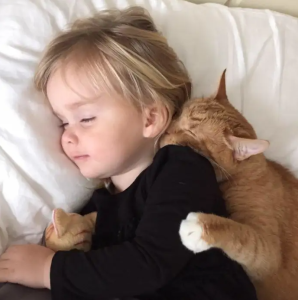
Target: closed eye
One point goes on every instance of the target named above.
(63, 125)
(191, 133)
(87, 120)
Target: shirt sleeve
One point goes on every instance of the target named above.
(156, 254)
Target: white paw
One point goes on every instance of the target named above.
(191, 234)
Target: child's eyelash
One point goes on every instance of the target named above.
(63, 125)
(87, 120)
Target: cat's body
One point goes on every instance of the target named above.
(261, 196)
(264, 197)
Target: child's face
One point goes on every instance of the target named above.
(103, 135)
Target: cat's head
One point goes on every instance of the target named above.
(215, 129)
(69, 231)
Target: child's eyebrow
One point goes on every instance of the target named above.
(81, 103)
(57, 115)
(77, 104)
(84, 100)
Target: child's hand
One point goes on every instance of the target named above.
(27, 265)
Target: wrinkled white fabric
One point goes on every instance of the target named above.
(259, 48)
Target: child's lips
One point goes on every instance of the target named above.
(80, 157)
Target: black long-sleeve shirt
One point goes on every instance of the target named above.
(137, 249)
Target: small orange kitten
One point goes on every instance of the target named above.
(261, 196)
(70, 231)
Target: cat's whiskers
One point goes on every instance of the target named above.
(223, 171)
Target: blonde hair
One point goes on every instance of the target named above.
(120, 51)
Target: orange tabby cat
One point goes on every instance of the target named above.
(261, 197)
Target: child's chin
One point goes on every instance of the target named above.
(91, 174)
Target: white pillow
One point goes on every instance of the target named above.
(259, 48)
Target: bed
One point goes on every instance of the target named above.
(257, 46)
(289, 7)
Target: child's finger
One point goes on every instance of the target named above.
(4, 263)
(5, 256)
(5, 271)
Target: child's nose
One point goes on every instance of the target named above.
(69, 137)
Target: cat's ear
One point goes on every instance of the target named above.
(91, 219)
(244, 148)
(60, 220)
(221, 93)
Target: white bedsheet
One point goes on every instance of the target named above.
(259, 48)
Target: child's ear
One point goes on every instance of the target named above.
(244, 148)
(60, 220)
(155, 120)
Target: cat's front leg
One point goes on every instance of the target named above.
(193, 232)
(256, 250)
(200, 232)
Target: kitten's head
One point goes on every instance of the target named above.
(69, 231)
(215, 129)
